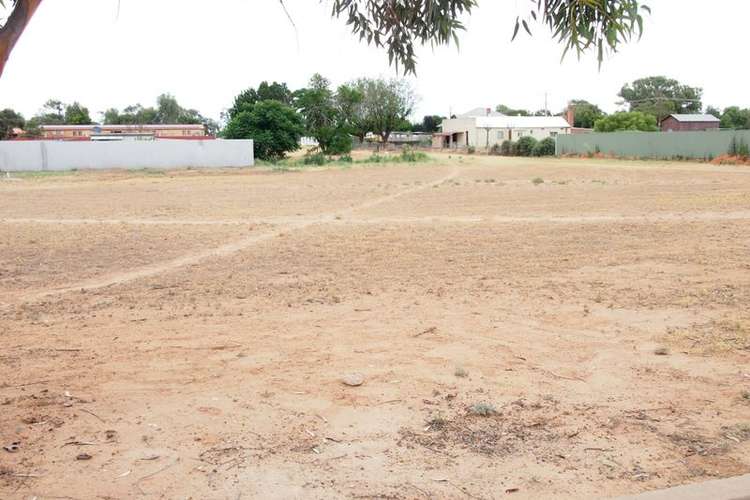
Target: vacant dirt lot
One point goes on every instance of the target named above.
(524, 328)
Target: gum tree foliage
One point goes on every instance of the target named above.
(9, 120)
(324, 119)
(387, 103)
(661, 96)
(430, 124)
(167, 111)
(401, 25)
(274, 127)
(351, 101)
(586, 113)
(76, 114)
(506, 110)
(631, 120)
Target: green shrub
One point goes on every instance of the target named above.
(471, 150)
(495, 150)
(375, 158)
(545, 147)
(507, 148)
(345, 159)
(526, 145)
(411, 156)
(317, 158)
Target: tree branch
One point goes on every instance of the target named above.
(11, 32)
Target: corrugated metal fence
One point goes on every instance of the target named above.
(664, 145)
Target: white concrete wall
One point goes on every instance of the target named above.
(165, 154)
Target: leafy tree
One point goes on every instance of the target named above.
(9, 120)
(387, 104)
(736, 118)
(579, 25)
(274, 127)
(168, 111)
(323, 119)
(430, 124)
(633, 120)
(542, 112)
(266, 92)
(52, 113)
(502, 108)
(75, 114)
(586, 113)
(525, 145)
(350, 99)
(713, 111)
(661, 97)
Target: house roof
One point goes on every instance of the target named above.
(522, 122)
(479, 112)
(694, 118)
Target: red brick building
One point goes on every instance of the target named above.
(682, 123)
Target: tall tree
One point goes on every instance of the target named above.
(350, 99)
(400, 25)
(323, 117)
(713, 111)
(265, 92)
(9, 120)
(586, 113)
(387, 104)
(75, 114)
(429, 124)
(661, 96)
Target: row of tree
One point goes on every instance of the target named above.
(56, 112)
(276, 117)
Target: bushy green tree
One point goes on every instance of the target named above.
(525, 145)
(75, 114)
(508, 148)
(9, 120)
(661, 96)
(430, 124)
(735, 118)
(350, 99)
(324, 117)
(545, 147)
(274, 127)
(713, 111)
(634, 120)
(586, 113)
(265, 92)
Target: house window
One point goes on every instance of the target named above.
(520, 133)
(553, 134)
(500, 135)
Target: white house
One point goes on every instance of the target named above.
(483, 128)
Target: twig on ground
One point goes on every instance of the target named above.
(431, 329)
(93, 415)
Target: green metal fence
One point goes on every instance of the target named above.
(662, 145)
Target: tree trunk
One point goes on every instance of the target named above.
(11, 32)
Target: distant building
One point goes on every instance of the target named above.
(682, 123)
(112, 132)
(484, 128)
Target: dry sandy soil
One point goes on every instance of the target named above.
(185, 335)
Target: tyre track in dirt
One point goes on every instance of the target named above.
(223, 250)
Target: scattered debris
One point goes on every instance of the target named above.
(431, 329)
(83, 456)
(353, 379)
(661, 351)
(461, 373)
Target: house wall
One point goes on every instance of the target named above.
(69, 155)
(670, 124)
(478, 137)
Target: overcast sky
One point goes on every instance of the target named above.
(206, 52)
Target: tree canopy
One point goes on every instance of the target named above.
(735, 117)
(586, 113)
(265, 92)
(9, 120)
(274, 127)
(661, 96)
(632, 120)
(401, 25)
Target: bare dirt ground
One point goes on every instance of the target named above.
(185, 335)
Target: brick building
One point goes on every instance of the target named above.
(87, 132)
